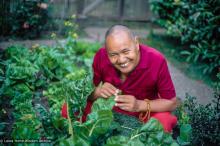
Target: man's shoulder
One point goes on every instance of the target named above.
(101, 57)
(101, 52)
(151, 53)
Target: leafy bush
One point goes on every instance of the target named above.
(34, 84)
(197, 24)
(204, 120)
(27, 19)
(4, 25)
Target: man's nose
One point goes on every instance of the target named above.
(121, 59)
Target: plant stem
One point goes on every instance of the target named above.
(133, 137)
(69, 120)
(127, 128)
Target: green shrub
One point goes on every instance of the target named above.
(197, 24)
(4, 21)
(204, 120)
(34, 84)
(26, 18)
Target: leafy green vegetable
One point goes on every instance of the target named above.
(74, 141)
(151, 133)
(103, 104)
(185, 134)
(97, 123)
(127, 124)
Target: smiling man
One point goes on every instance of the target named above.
(139, 72)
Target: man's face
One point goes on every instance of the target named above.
(123, 52)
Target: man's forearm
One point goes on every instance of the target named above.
(159, 105)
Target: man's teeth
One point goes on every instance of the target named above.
(124, 65)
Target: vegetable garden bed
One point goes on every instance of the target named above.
(36, 82)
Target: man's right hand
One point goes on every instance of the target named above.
(106, 90)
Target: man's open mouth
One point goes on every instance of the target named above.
(123, 65)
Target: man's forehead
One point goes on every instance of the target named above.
(118, 39)
(116, 42)
(119, 34)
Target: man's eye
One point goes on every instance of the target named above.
(126, 52)
(112, 55)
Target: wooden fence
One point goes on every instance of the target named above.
(133, 10)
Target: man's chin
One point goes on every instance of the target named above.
(125, 71)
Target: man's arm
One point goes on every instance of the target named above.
(158, 105)
(130, 103)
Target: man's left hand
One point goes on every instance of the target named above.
(127, 103)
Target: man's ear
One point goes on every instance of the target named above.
(136, 39)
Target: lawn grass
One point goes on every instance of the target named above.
(171, 48)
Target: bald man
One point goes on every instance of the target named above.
(139, 72)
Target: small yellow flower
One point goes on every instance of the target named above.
(42, 5)
(74, 35)
(53, 35)
(4, 111)
(176, 1)
(68, 23)
(35, 46)
(27, 116)
(73, 16)
(65, 23)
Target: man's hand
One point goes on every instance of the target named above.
(106, 90)
(128, 103)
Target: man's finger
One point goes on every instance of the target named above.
(104, 95)
(109, 85)
(122, 98)
(123, 106)
(108, 93)
(111, 91)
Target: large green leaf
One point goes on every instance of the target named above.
(99, 122)
(74, 141)
(117, 141)
(152, 133)
(185, 134)
(103, 104)
(152, 125)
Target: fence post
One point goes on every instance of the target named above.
(5, 12)
(121, 9)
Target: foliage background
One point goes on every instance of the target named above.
(196, 23)
(24, 18)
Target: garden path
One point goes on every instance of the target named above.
(183, 84)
